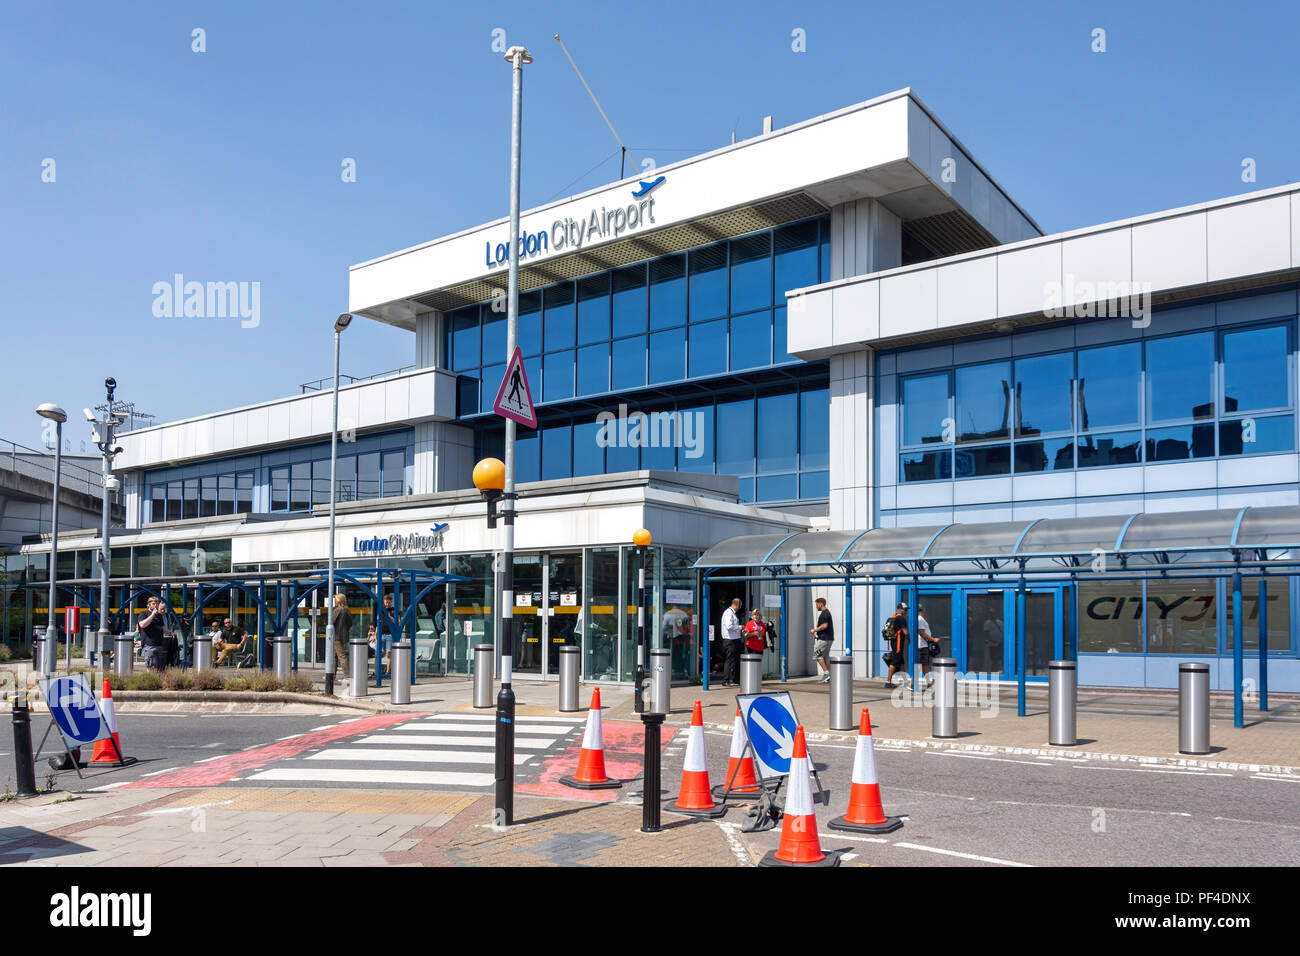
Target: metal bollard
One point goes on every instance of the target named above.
(483, 675)
(661, 671)
(751, 673)
(943, 721)
(1062, 704)
(123, 654)
(842, 693)
(282, 645)
(400, 656)
(650, 800)
(357, 667)
(88, 644)
(1193, 708)
(570, 663)
(202, 652)
(24, 761)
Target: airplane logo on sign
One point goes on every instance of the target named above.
(514, 399)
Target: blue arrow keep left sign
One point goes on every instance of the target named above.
(770, 722)
(74, 709)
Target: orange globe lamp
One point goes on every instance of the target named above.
(641, 538)
(490, 474)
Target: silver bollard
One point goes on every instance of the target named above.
(661, 670)
(89, 647)
(202, 646)
(282, 646)
(483, 675)
(357, 685)
(751, 673)
(400, 657)
(123, 654)
(1062, 704)
(842, 693)
(570, 664)
(943, 721)
(1193, 708)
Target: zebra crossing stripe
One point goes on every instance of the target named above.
(431, 740)
(524, 719)
(378, 755)
(446, 778)
(485, 730)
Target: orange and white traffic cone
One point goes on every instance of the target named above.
(590, 774)
(799, 843)
(865, 814)
(740, 766)
(695, 796)
(107, 751)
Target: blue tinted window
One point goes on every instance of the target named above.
(1255, 369)
(627, 365)
(925, 410)
(668, 356)
(745, 490)
(593, 309)
(1257, 436)
(1109, 379)
(779, 338)
(620, 455)
(1055, 454)
(981, 461)
(467, 394)
(494, 336)
(464, 339)
(735, 443)
(593, 369)
(826, 252)
(629, 303)
(708, 342)
(1044, 394)
(667, 292)
(814, 430)
(778, 433)
(708, 292)
(1180, 442)
(795, 258)
(558, 320)
(492, 376)
(658, 448)
(530, 322)
(695, 449)
(533, 374)
(751, 273)
(777, 488)
(557, 447)
(558, 372)
(751, 336)
(925, 466)
(1118, 448)
(815, 484)
(528, 449)
(983, 401)
(588, 453)
(1180, 377)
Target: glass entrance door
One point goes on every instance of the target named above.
(563, 606)
(529, 614)
(989, 634)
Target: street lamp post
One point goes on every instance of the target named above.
(644, 696)
(58, 416)
(341, 323)
(103, 433)
(642, 541)
(490, 479)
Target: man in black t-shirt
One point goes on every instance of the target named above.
(154, 634)
(823, 639)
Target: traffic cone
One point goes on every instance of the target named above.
(105, 751)
(740, 767)
(590, 774)
(696, 797)
(865, 814)
(799, 843)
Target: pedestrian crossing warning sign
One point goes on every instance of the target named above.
(514, 400)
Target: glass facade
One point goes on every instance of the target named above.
(1214, 393)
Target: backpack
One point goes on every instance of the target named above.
(889, 630)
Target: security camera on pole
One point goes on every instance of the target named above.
(102, 430)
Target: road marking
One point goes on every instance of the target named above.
(186, 809)
(412, 756)
(964, 856)
(1075, 806)
(1259, 823)
(423, 777)
(952, 753)
(520, 730)
(441, 740)
(738, 848)
(849, 856)
(840, 836)
(526, 718)
(1194, 773)
(1276, 776)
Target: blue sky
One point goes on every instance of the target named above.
(225, 165)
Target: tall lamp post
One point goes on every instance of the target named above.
(103, 434)
(490, 479)
(642, 541)
(341, 323)
(58, 416)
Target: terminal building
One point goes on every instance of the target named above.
(837, 360)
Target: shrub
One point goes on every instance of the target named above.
(116, 681)
(20, 653)
(235, 684)
(176, 679)
(78, 650)
(148, 680)
(208, 680)
(5, 653)
(299, 683)
(265, 682)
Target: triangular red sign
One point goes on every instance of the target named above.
(514, 399)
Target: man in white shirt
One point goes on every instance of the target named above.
(731, 637)
(926, 645)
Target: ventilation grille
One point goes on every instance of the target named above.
(951, 233)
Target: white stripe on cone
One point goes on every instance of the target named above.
(864, 761)
(592, 739)
(799, 796)
(695, 762)
(110, 715)
(738, 739)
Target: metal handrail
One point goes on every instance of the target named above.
(321, 384)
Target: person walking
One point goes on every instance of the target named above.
(731, 641)
(895, 634)
(823, 639)
(341, 621)
(386, 622)
(927, 645)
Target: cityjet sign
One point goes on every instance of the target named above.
(570, 234)
(413, 543)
